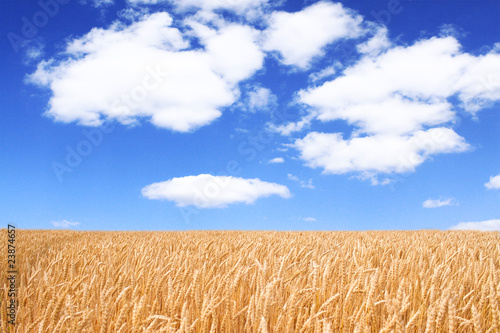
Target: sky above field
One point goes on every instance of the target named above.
(250, 114)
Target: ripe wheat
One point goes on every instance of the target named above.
(230, 281)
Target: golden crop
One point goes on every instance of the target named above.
(232, 281)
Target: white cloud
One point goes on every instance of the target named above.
(102, 3)
(207, 191)
(133, 14)
(494, 183)
(375, 181)
(233, 52)
(307, 184)
(398, 102)
(429, 203)
(373, 178)
(377, 44)
(292, 127)
(452, 30)
(238, 6)
(490, 225)
(277, 160)
(324, 73)
(377, 153)
(147, 70)
(64, 224)
(259, 99)
(35, 52)
(302, 183)
(301, 36)
(308, 219)
(241, 130)
(145, 2)
(406, 88)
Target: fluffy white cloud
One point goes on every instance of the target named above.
(207, 191)
(64, 224)
(406, 88)
(429, 203)
(494, 183)
(301, 36)
(490, 225)
(148, 70)
(377, 153)
(398, 102)
(276, 160)
(308, 219)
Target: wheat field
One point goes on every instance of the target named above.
(234, 281)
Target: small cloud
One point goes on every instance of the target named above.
(490, 225)
(98, 3)
(494, 183)
(261, 98)
(452, 30)
(308, 219)
(207, 191)
(309, 184)
(429, 203)
(302, 183)
(383, 182)
(292, 127)
(374, 179)
(249, 8)
(144, 2)
(133, 14)
(242, 130)
(65, 224)
(257, 99)
(103, 3)
(276, 160)
(324, 73)
(35, 52)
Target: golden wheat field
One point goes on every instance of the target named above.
(232, 281)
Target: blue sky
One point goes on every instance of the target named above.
(254, 114)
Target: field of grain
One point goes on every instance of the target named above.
(229, 281)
